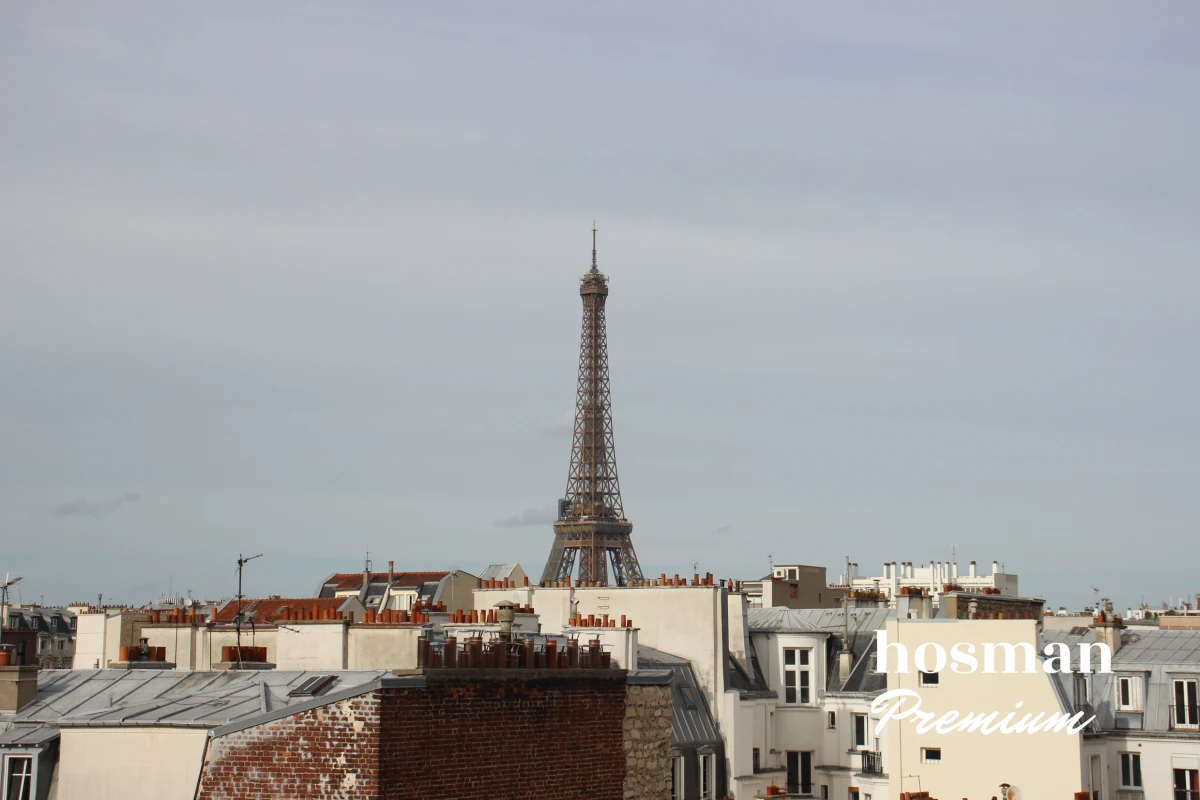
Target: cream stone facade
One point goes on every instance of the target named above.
(971, 764)
(113, 763)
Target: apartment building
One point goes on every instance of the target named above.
(40, 635)
(400, 591)
(934, 577)
(1145, 743)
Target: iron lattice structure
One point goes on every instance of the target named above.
(591, 522)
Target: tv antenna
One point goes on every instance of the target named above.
(237, 620)
(4, 587)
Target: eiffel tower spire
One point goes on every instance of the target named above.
(591, 521)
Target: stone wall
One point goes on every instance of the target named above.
(647, 730)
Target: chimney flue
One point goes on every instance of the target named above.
(18, 686)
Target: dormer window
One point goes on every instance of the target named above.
(797, 676)
(1129, 693)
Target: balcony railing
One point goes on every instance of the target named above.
(872, 762)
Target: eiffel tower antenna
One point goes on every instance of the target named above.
(591, 523)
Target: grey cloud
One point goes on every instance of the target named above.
(85, 508)
(531, 516)
(917, 277)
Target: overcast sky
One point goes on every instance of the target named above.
(302, 279)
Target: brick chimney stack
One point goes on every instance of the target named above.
(18, 687)
(1107, 627)
(391, 572)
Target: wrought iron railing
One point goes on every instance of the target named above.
(872, 762)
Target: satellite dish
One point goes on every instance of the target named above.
(1012, 793)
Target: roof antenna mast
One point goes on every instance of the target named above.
(237, 620)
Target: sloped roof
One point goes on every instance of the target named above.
(814, 620)
(174, 698)
(498, 571)
(692, 722)
(861, 678)
(343, 581)
(273, 608)
(1157, 656)
(39, 618)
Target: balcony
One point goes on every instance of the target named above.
(872, 762)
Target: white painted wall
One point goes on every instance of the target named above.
(380, 647)
(89, 641)
(312, 646)
(682, 620)
(322, 644)
(1160, 757)
(130, 763)
(973, 765)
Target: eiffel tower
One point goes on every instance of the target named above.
(591, 521)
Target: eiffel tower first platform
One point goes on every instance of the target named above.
(591, 521)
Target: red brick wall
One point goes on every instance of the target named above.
(468, 734)
(482, 737)
(329, 752)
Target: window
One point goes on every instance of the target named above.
(755, 758)
(931, 755)
(54, 624)
(1129, 693)
(797, 675)
(706, 777)
(1131, 770)
(61, 646)
(1183, 710)
(18, 780)
(860, 730)
(677, 778)
(313, 686)
(824, 792)
(1080, 691)
(685, 694)
(72, 624)
(832, 723)
(799, 772)
(1187, 784)
(929, 679)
